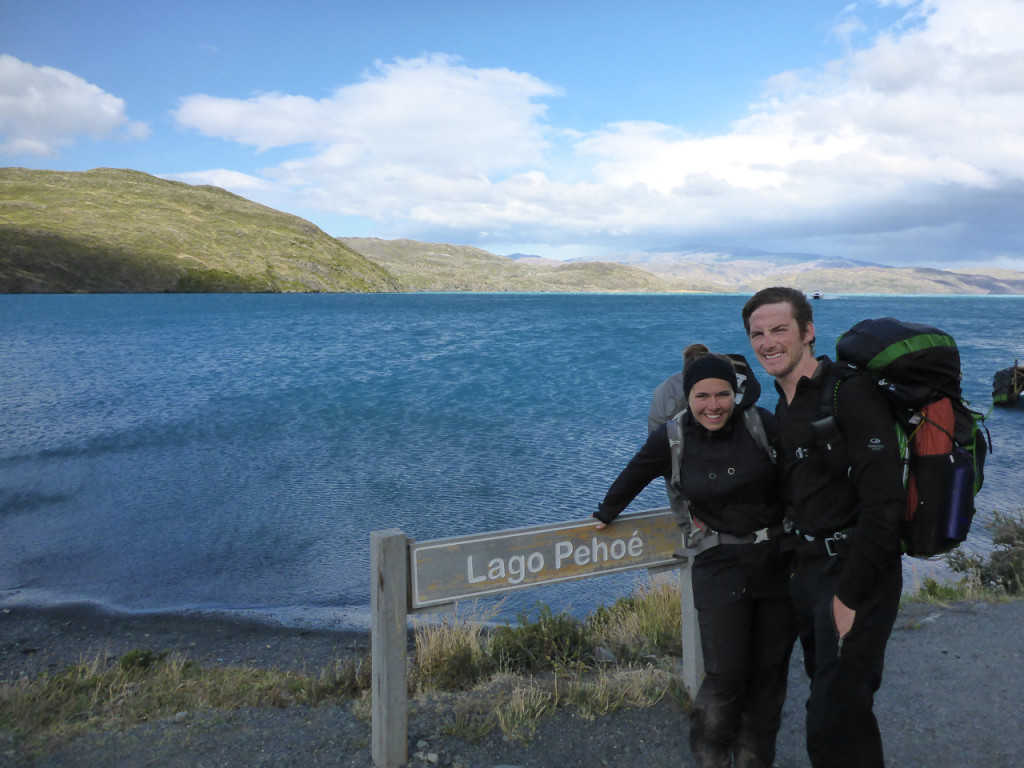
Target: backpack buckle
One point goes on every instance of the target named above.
(832, 541)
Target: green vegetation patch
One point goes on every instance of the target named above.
(109, 230)
(1002, 572)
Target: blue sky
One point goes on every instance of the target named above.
(890, 131)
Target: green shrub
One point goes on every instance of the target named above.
(460, 671)
(1003, 570)
(551, 641)
(940, 591)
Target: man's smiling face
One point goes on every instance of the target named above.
(777, 341)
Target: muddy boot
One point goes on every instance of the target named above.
(706, 751)
(745, 757)
(711, 755)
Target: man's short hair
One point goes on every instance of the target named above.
(802, 312)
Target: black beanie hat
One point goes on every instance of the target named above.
(708, 367)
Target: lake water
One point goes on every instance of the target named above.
(233, 452)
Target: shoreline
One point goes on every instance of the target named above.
(37, 639)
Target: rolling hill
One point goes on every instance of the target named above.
(439, 267)
(113, 231)
(109, 230)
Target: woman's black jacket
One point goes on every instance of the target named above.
(733, 487)
(731, 483)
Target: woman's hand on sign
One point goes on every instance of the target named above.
(600, 525)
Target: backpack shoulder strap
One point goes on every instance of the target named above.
(838, 372)
(755, 426)
(674, 426)
(827, 436)
(751, 419)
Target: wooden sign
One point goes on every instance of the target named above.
(447, 570)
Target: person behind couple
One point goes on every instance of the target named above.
(740, 589)
(847, 571)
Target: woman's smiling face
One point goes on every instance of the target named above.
(711, 402)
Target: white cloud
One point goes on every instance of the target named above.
(242, 183)
(919, 132)
(43, 109)
(429, 114)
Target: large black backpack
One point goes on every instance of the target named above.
(917, 368)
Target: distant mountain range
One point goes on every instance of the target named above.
(719, 268)
(715, 254)
(110, 230)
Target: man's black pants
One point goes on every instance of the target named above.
(842, 730)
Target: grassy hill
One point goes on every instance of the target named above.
(439, 267)
(110, 230)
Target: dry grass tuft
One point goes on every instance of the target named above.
(642, 625)
(454, 653)
(143, 686)
(607, 692)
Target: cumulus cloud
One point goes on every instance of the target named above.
(241, 183)
(913, 137)
(43, 109)
(430, 114)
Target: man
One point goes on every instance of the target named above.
(848, 575)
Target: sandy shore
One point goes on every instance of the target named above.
(953, 695)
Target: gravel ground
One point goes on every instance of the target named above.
(953, 695)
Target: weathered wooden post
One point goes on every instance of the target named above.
(389, 569)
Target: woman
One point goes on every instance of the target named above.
(740, 588)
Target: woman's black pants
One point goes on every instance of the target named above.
(738, 709)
